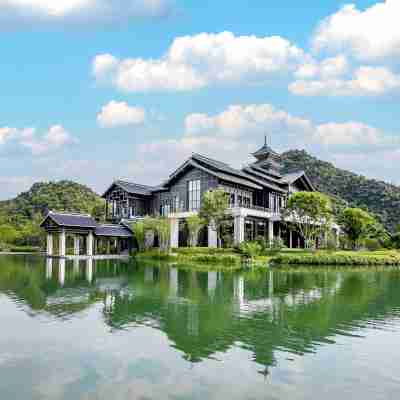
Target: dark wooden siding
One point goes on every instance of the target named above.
(179, 188)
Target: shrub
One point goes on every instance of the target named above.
(372, 244)
(215, 259)
(277, 244)
(263, 243)
(251, 249)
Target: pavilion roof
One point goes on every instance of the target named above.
(113, 230)
(73, 220)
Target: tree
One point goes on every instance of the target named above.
(213, 210)
(357, 224)
(310, 213)
(8, 234)
(139, 234)
(163, 228)
(194, 224)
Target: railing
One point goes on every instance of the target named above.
(257, 208)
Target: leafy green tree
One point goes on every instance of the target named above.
(310, 213)
(213, 210)
(139, 234)
(357, 224)
(8, 234)
(194, 224)
(163, 229)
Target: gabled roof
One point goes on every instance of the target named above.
(112, 230)
(218, 169)
(74, 220)
(71, 219)
(132, 188)
(268, 181)
(296, 175)
(227, 177)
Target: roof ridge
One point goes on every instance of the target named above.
(212, 159)
(73, 213)
(134, 183)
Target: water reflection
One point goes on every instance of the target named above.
(206, 313)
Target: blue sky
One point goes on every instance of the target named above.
(93, 90)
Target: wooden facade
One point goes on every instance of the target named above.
(257, 194)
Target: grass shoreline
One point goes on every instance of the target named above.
(288, 257)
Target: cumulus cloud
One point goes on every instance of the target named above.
(55, 138)
(328, 68)
(116, 114)
(366, 81)
(194, 62)
(234, 133)
(79, 11)
(369, 35)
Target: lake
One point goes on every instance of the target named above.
(123, 330)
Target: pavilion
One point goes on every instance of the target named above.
(90, 238)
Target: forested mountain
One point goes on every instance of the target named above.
(380, 198)
(60, 196)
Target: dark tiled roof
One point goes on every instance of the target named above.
(112, 230)
(268, 181)
(132, 188)
(293, 176)
(228, 177)
(72, 219)
(263, 150)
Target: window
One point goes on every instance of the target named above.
(194, 195)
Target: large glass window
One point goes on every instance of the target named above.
(194, 195)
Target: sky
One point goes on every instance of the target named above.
(98, 90)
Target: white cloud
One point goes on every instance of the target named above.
(367, 81)
(244, 120)
(233, 134)
(79, 11)
(350, 133)
(193, 62)
(55, 138)
(120, 114)
(370, 34)
(328, 68)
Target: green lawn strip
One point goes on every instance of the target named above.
(345, 258)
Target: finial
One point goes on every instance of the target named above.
(265, 140)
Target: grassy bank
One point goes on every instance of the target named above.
(339, 258)
(199, 256)
(7, 248)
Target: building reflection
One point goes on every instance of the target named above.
(204, 313)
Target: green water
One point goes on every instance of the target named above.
(115, 330)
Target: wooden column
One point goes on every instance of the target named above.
(62, 240)
(89, 244)
(238, 229)
(49, 247)
(270, 232)
(174, 239)
(108, 246)
(212, 237)
(76, 245)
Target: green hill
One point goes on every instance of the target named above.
(380, 198)
(61, 196)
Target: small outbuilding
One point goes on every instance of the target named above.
(89, 238)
